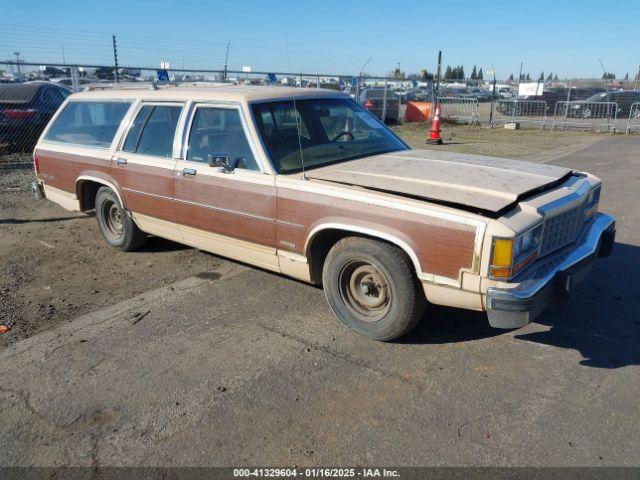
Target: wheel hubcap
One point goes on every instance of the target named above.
(114, 218)
(365, 290)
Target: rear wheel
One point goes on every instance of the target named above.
(115, 223)
(372, 289)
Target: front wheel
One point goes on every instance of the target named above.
(372, 289)
(115, 223)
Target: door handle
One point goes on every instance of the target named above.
(189, 171)
(121, 161)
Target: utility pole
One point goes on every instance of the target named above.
(226, 63)
(360, 77)
(17, 54)
(493, 95)
(520, 76)
(438, 73)
(115, 58)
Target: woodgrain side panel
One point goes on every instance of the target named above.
(147, 189)
(61, 170)
(226, 206)
(442, 247)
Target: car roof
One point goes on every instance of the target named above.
(20, 92)
(226, 92)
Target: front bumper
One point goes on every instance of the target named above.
(551, 279)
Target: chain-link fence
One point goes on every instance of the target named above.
(25, 109)
(33, 92)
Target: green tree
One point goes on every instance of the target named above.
(53, 72)
(104, 73)
(550, 76)
(480, 75)
(528, 77)
(398, 74)
(555, 77)
(511, 77)
(541, 77)
(425, 76)
(608, 76)
(474, 73)
(447, 73)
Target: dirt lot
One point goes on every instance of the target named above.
(527, 143)
(54, 264)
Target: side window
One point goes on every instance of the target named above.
(92, 124)
(153, 131)
(219, 131)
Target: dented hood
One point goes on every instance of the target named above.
(485, 184)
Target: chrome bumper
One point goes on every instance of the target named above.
(551, 280)
(37, 190)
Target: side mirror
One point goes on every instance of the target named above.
(223, 161)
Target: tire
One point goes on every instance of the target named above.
(115, 223)
(372, 288)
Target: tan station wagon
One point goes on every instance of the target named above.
(309, 184)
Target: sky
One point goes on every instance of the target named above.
(569, 38)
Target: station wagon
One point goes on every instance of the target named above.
(309, 184)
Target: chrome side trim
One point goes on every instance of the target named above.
(227, 210)
(289, 224)
(147, 193)
(210, 207)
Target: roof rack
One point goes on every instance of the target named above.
(152, 85)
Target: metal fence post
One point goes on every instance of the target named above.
(384, 101)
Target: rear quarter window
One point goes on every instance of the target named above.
(91, 124)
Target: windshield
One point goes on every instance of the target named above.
(331, 130)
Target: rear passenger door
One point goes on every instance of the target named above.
(144, 163)
(232, 214)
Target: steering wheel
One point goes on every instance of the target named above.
(342, 134)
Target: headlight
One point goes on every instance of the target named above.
(510, 255)
(593, 200)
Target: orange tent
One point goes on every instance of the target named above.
(418, 111)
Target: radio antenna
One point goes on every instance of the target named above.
(295, 108)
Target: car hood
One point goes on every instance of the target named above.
(489, 185)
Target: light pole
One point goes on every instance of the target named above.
(17, 54)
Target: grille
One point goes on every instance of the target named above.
(561, 229)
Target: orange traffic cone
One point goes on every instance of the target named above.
(434, 134)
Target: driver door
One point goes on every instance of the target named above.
(229, 213)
